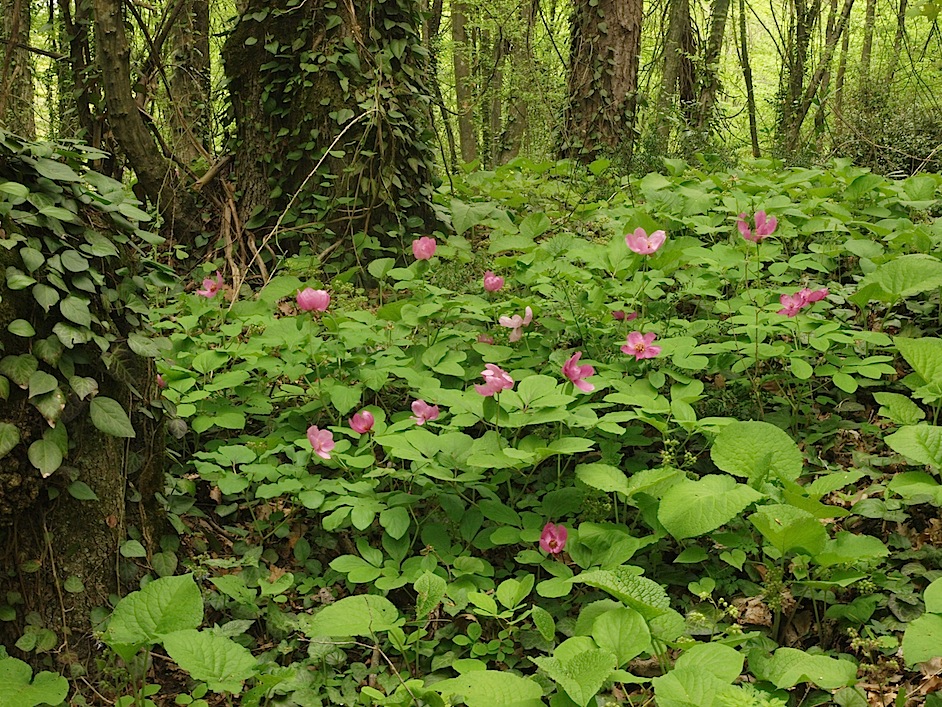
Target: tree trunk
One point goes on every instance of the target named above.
(518, 113)
(841, 73)
(16, 74)
(190, 82)
(747, 77)
(677, 52)
(805, 15)
(898, 40)
(603, 79)
(866, 49)
(79, 84)
(432, 38)
(495, 93)
(709, 74)
(459, 35)
(330, 106)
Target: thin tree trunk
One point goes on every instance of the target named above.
(495, 92)
(805, 16)
(603, 79)
(675, 49)
(841, 73)
(190, 82)
(747, 77)
(710, 75)
(820, 114)
(898, 40)
(16, 74)
(866, 49)
(518, 113)
(432, 32)
(466, 133)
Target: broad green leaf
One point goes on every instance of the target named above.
(850, 548)
(19, 369)
(933, 597)
(360, 615)
(790, 666)
(15, 189)
(9, 437)
(923, 639)
(75, 309)
(233, 585)
(603, 477)
(429, 589)
(109, 417)
(921, 443)
(56, 171)
(622, 632)
(787, 528)
(924, 355)
(165, 605)
(32, 259)
(694, 508)
(899, 408)
(582, 676)
(83, 386)
(81, 491)
(21, 327)
(216, 660)
(904, 276)
(534, 225)
(490, 688)
(646, 597)
(44, 454)
(73, 261)
(41, 382)
(18, 687)
(18, 280)
(721, 661)
(543, 620)
(758, 451)
(688, 687)
(916, 487)
(50, 405)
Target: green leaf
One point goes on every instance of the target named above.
(694, 508)
(81, 491)
(76, 310)
(396, 521)
(212, 658)
(73, 261)
(623, 632)
(19, 369)
(923, 639)
(921, 443)
(429, 589)
(916, 487)
(543, 620)
(44, 454)
(50, 405)
(924, 355)
(18, 687)
(646, 597)
(899, 408)
(9, 438)
(344, 397)
(41, 382)
(688, 687)
(901, 277)
(490, 688)
(719, 660)
(582, 676)
(18, 191)
(757, 451)
(45, 296)
(56, 171)
(165, 605)
(109, 417)
(933, 597)
(790, 666)
(133, 548)
(788, 528)
(849, 549)
(361, 615)
(17, 280)
(603, 477)
(74, 585)
(21, 327)
(83, 386)
(535, 225)
(32, 258)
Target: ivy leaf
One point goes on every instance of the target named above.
(21, 327)
(50, 405)
(32, 258)
(19, 369)
(81, 491)
(45, 296)
(9, 437)
(83, 386)
(18, 280)
(76, 310)
(41, 382)
(73, 261)
(44, 454)
(109, 417)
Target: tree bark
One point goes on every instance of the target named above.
(603, 79)
(678, 46)
(709, 74)
(466, 133)
(747, 77)
(805, 15)
(865, 50)
(16, 74)
(190, 82)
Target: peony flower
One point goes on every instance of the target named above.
(161, 383)
(516, 322)
(321, 440)
(553, 538)
(485, 339)
(310, 300)
(424, 248)
(643, 244)
(791, 304)
(812, 296)
(621, 316)
(362, 422)
(210, 286)
(764, 226)
(492, 282)
(639, 345)
(577, 374)
(423, 412)
(495, 380)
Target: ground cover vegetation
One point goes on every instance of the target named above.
(401, 353)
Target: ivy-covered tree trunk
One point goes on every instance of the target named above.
(70, 493)
(332, 113)
(603, 79)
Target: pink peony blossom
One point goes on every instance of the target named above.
(161, 383)
(492, 282)
(310, 300)
(485, 339)
(643, 244)
(362, 422)
(210, 286)
(639, 345)
(423, 412)
(764, 226)
(424, 248)
(495, 380)
(516, 323)
(792, 304)
(321, 440)
(553, 538)
(621, 316)
(577, 374)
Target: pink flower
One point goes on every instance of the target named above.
(485, 339)
(577, 374)
(516, 322)
(492, 282)
(423, 412)
(161, 383)
(495, 380)
(792, 304)
(812, 296)
(640, 242)
(362, 422)
(210, 286)
(553, 538)
(310, 300)
(764, 226)
(424, 248)
(621, 316)
(321, 440)
(639, 345)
